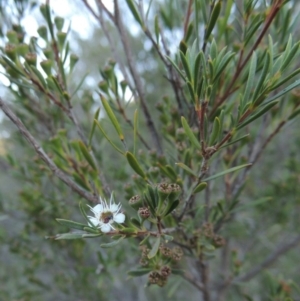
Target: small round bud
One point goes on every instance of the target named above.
(144, 212)
(177, 253)
(165, 271)
(30, 58)
(135, 202)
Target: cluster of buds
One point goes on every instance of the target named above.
(207, 231)
(160, 272)
(160, 277)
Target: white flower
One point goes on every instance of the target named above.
(106, 214)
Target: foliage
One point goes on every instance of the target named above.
(175, 138)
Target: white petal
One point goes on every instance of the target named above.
(105, 228)
(114, 207)
(97, 209)
(94, 220)
(119, 218)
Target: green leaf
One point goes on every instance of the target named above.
(190, 133)
(187, 169)
(186, 66)
(12, 65)
(250, 81)
(74, 235)
(84, 214)
(38, 75)
(134, 11)
(282, 92)
(155, 248)
(176, 67)
(252, 204)
(201, 186)
(235, 141)
(213, 19)
(107, 138)
(139, 272)
(86, 154)
(215, 131)
(96, 116)
(88, 235)
(220, 174)
(135, 165)
(112, 117)
(263, 76)
(113, 243)
(71, 224)
(265, 109)
(170, 207)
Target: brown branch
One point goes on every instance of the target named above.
(43, 156)
(187, 17)
(269, 260)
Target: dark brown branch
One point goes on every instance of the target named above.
(269, 260)
(42, 155)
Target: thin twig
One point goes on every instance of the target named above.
(269, 260)
(136, 78)
(42, 155)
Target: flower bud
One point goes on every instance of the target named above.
(43, 33)
(48, 53)
(61, 37)
(103, 86)
(11, 51)
(12, 37)
(165, 271)
(30, 58)
(164, 190)
(22, 49)
(73, 60)
(177, 253)
(175, 192)
(46, 65)
(136, 202)
(59, 23)
(144, 212)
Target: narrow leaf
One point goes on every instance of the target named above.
(96, 116)
(107, 138)
(86, 154)
(227, 171)
(187, 169)
(139, 272)
(213, 19)
(250, 81)
(112, 117)
(190, 133)
(155, 248)
(74, 235)
(71, 224)
(200, 187)
(176, 67)
(134, 11)
(135, 165)
(265, 109)
(113, 243)
(215, 131)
